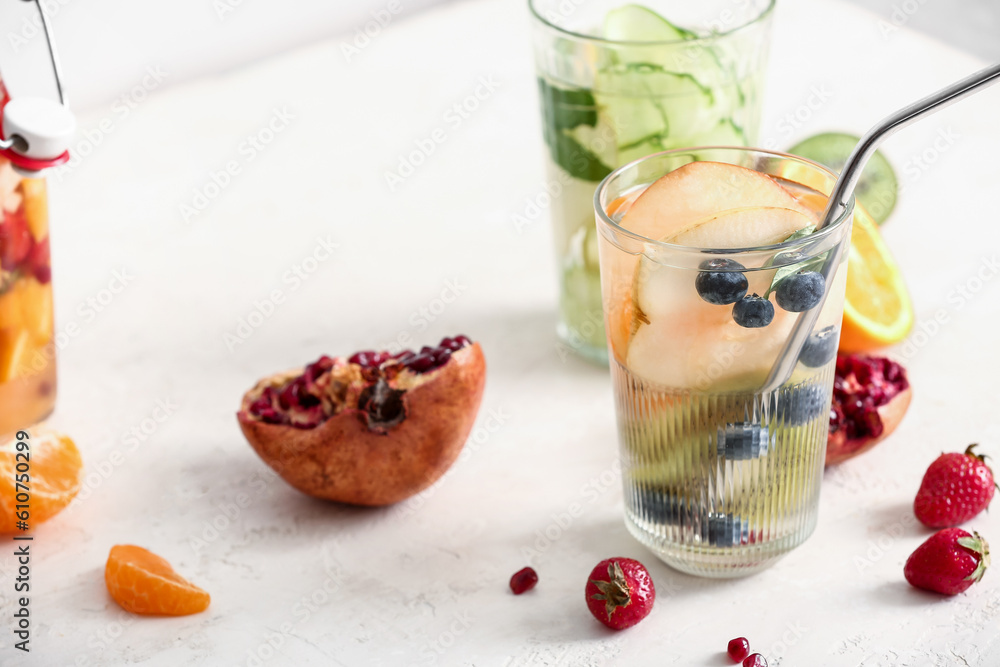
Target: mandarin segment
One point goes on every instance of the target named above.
(143, 583)
(56, 474)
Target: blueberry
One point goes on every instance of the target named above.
(741, 442)
(753, 312)
(802, 404)
(720, 281)
(725, 530)
(820, 347)
(658, 505)
(800, 291)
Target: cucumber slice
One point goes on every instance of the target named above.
(642, 101)
(634, 23)
(725, 133)
(878, 185)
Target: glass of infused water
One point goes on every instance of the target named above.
(708, 257)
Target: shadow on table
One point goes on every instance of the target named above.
(520, 343)
(896, 520)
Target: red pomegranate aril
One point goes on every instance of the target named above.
(755, 660)
(523, 580)
(738, 649)
(870, 397)
(369, 358)
(420, 363)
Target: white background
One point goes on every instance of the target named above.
(107, 45)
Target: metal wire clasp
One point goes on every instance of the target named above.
(35, 132)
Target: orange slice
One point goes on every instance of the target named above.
(877, 307)
(55, 473)
(14, 347)
(36, 307)
(143, 583)
(11, 311)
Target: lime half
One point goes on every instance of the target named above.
(878, 186)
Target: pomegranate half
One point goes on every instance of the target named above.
(371, 429)
(870, 398)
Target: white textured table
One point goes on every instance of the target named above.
(149, 385)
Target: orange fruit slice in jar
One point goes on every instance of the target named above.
(15, 344)
(36, 207)
(144, 583)
(54, 475)
(877, 307)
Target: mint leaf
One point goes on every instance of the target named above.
(563, 110)
(577, 160)
(811, 264)
(801, 233)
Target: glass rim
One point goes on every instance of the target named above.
(818, 235)
(700, 39)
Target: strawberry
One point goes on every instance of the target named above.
(949, 562)
(956, 487)
(620, 592)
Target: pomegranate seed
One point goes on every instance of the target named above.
(755, 660)
(738, 649)
(523, 580)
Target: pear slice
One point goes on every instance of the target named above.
(697, 191)
(668, 292)
(747, 227)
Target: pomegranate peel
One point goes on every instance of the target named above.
(372, 429)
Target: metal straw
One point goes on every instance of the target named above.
(844, 189)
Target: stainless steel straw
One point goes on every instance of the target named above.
(844, 189)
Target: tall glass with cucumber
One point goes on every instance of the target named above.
(618, 82)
